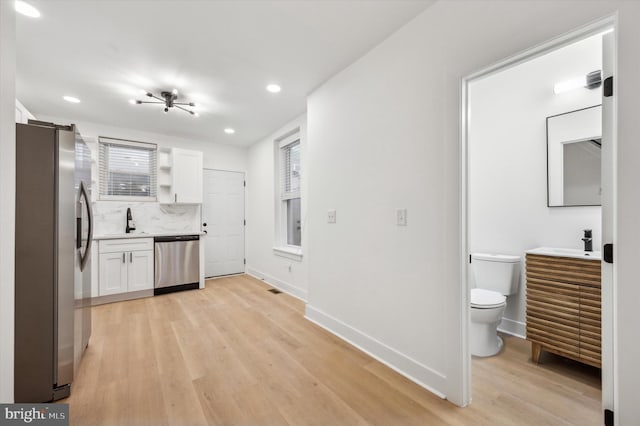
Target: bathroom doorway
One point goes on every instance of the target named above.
(511, 181)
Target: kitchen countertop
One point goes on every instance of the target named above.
(144, 235)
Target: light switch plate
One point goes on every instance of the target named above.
(401, 217)
(331, 216)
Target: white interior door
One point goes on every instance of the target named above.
(223, 220)
(608, 224)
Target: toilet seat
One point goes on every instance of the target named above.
(486, 299)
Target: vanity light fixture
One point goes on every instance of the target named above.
(26, 9)
(590, 81)
(229, 131)
(274, 88)
(168, 99)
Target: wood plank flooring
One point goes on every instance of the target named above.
(236, 354)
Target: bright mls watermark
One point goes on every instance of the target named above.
(34, 414)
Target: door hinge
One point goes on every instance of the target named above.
(607, 87)
(608, 417)
(607, 253)
(244, 183)
(245, 222)
(245, 261)
(469, 258)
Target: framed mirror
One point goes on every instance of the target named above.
(573, 158)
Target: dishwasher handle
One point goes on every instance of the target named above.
(176, 238)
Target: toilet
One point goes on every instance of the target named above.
(496, 276)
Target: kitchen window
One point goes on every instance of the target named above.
(288, 207)
(128, 170)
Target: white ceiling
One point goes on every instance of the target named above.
(219, 54)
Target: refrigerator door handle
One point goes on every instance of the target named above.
(84, 258)
(79, 231)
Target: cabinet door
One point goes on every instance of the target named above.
(187, 176)
(140, 265)
(113, 273)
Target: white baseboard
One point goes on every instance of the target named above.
(514, 328)
(290, 289)
(424, 376)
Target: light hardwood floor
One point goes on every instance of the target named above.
(237, 354)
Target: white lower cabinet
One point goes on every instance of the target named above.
(113, 273)
(125, 266)
(140, 271)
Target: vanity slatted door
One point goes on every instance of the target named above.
(563, 307)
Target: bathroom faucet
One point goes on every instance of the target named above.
(131, 225)
(588, 241)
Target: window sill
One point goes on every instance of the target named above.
(290, 252)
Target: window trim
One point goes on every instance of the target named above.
(134, 144)
(281, 248)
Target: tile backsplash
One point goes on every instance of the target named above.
(110, 217)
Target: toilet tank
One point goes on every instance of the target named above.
(497, 272)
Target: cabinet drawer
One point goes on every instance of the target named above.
(562, 269)
(128, 244)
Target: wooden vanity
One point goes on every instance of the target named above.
(563, 306)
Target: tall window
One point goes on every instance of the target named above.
(290, 212)
(127, 170)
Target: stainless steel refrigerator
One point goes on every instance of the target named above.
(53, 272)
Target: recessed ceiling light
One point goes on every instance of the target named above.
(229, 131)
(196, 114)
(71, 99)
(274, 88)
(132, 101)
(26, 9)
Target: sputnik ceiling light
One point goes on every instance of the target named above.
(169, 101)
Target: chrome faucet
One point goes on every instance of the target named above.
(588, 240)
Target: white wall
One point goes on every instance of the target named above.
(508, 210)
(7, 195)
(287, 274)
(153, 217)
(385, 134)
(216, 155)
(23, 115)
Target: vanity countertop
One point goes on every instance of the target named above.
(564, 252)
(145, 235)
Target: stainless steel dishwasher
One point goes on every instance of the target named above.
(177, 263)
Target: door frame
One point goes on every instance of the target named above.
(609, 396)
(244, 217)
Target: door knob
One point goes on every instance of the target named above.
(204, 224)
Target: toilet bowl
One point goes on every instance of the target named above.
(487, 308)
(496, 276)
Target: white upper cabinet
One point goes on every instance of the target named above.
(187, 176)
(180, 176)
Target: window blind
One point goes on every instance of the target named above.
(127, 169)
(290, 171)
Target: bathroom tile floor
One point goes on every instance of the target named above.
(236, 354)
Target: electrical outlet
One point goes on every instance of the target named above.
(401, 217)
(331, 216)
